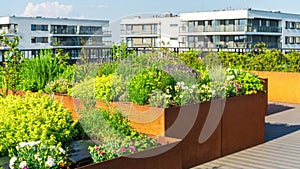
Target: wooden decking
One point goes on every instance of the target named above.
(282, 147)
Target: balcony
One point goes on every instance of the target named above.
(141, 32)
(78, 43)
(265, 29)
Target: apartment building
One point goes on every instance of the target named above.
(69, 34)
(155, 31)
(239, 29)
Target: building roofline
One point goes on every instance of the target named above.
(58, 18)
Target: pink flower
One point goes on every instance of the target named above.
(131, 143)
(25, 168)
(97, 148)
(101, 152)
(132, 148)
(123, 150)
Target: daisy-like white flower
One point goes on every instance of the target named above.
(23, 164)
(50, 162)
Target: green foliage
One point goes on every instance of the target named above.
(58, 86)
(83, 89)
(160, 99)
(103, 88)
(37, 72)
(38, 154)
(12, 58)
(240, 82)
(264, 60)
(33, 118)
(109, 88)
(107, 68)
(148, 80)
(119, 138)
(117, 148)
(191, 58)
(119, 52)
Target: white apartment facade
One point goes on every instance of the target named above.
(215, 29)
(69, 34)
(240, 29)
(155, 31)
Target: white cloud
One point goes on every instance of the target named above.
(47, 9)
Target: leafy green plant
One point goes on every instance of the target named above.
(147, 80)
(243, 83)
(59, 86)
(107, 68)
(37, 154)
(12, 59)
(119, 148)
(37, 72)
(33, 117)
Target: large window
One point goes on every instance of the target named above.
(35, 27)
(39, 40)
(290, 25)
(63, 29)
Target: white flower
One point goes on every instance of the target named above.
(181, 96)
(182, 83)
(50, 162)
(12, 162)
(53, 147)
(23, 164)
(23, 144)
(62, 150)
(194, 86)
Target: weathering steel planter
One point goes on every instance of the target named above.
(283, 86)
(239, 124)
(167, 156)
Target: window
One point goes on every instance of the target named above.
(298, 39)
(39, 40)
(144, 40)
(297, 25)
(173, 38)
(290, 25)
(173, 25)
(267, 23)
(290, 40)
(35, 27)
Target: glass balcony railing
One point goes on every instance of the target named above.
(87, 43)
(265, 29)
(141, 32)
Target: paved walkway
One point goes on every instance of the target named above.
(282, 147)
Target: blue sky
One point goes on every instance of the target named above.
(115, 9)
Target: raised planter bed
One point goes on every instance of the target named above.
(163, 157)
(283, 86)
(231, 125)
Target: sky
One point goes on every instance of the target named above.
(114, 10)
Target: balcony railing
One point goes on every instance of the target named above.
(87, 43)
(145, 32)
(265, 29)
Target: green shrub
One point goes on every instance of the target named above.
(59, 86)
(33, 118)
(83, 89)
(147, 80)
(37, 72)
(109, 88)
(107, 68)
(268, 60)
